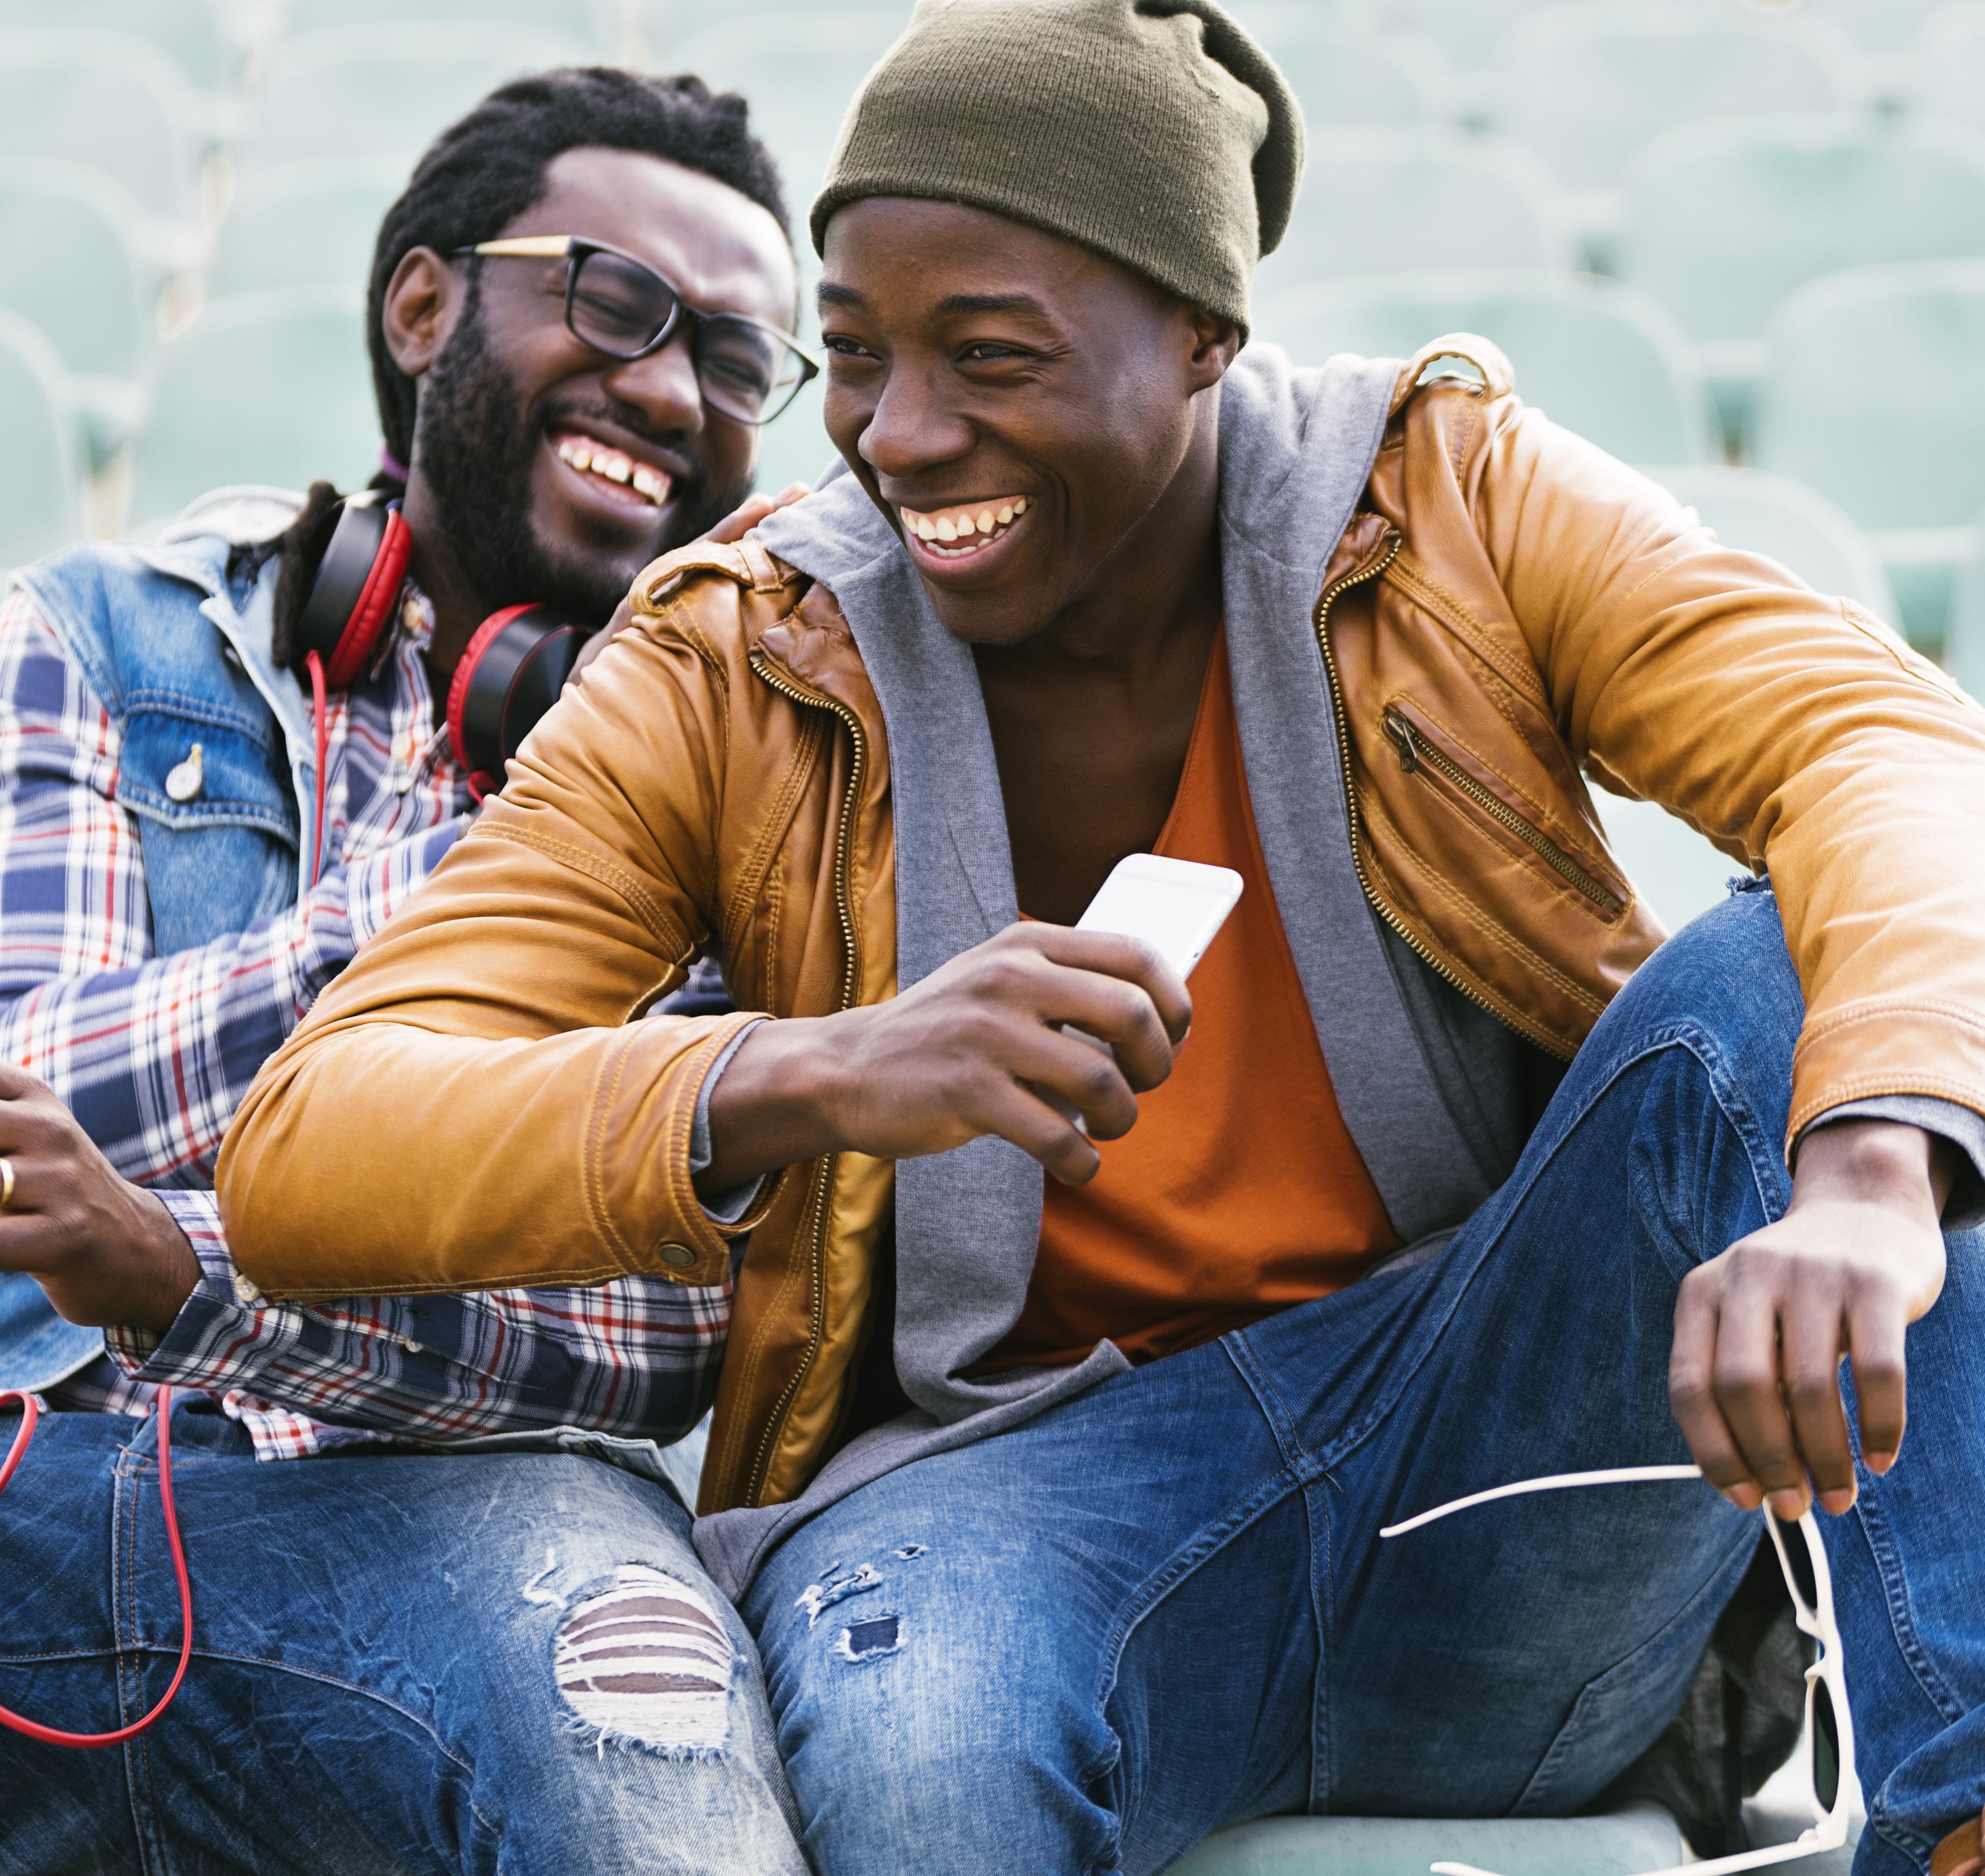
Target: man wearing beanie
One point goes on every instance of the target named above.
(1055, 1503)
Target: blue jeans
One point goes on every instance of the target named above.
(398, 1666)
(1163, 1606)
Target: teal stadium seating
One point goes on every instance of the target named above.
(1586, 85)
(1947, 65)
(1370, 196)
(111, 101)
(188, 31)
(1597, 357)
(592, 23)
(1964, 640)
(271, 388)
(1468, 34)
(38, 488)
(1723, 220)
(386, 90)
(305, 224)
(1619, 1845)
(67, 236)
(1880, 26)
(1875, 395)
(1344, 76)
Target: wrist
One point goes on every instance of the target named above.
(777, 1103)
(1869, 1162)
(170, 1270)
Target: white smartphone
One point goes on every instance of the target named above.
(1176, 906)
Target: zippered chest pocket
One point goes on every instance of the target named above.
(1423, 754)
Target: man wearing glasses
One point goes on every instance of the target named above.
(581, 318)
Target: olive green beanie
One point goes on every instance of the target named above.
(1155, 132)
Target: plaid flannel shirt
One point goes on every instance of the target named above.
(153, 1054)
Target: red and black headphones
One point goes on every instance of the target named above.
(511, 674)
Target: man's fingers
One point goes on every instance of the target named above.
(1745, 1376)
(17, 1084)
(623, 617)
(1108, 954)
(1035, 1127)
(1067, 1069)
(1877, 1317)
(1692, 1394)
(1810, 1351)
(741, 520)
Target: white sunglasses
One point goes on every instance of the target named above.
(1829, 1727)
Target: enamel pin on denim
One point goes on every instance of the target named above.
(1829, 1739)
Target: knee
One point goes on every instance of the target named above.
(1725, 985)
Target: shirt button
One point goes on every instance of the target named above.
(245, 1291)
(676, 1256)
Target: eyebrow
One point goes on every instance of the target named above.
(830, 295)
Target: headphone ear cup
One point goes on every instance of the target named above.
(350, 600)
(510, 674)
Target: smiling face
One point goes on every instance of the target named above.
(555, 472)
(1024, 412)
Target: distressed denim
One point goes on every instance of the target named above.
(1163, 1606)
(402, 1663)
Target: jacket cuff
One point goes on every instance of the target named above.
(725, 1209)
(1965, 1209)
(688, 1246)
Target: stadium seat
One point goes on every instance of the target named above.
(596, 23)
(1598, 357)
(1964, 640)
(108, 101)
(1469, 34)
(270, 388)
(386, 90)
(1618, 1845)
(1389, 201)
(1585, 85)
(1947, 65)
(1875, 26)
(67, 265)
(1723, 220)
(800, 69)
(188, 31)
(305, 224)
(1343, 76)
(1874, 394)
(38, 486)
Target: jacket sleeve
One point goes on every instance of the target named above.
(1796, 731)
(472, 1104)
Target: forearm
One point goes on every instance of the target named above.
(633, 1358)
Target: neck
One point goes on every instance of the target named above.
(458, 607)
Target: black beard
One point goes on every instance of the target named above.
(477, 448)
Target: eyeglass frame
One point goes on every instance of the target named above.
(573, 249)
(1829, 1829)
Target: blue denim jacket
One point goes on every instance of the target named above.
(178, 654)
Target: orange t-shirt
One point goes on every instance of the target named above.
(1239, 1191)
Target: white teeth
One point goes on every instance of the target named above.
(614, 466)
(986, 521)
(578, 455)
(1005, 514)
(946, 530)
(648, 482)
(1020, 506)
(926, 528)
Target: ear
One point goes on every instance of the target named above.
(1216, 344)
(423, 300)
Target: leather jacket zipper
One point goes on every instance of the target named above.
(1417, 751)
(1370, 569)
(844, 850)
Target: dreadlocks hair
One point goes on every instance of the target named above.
(486, 170)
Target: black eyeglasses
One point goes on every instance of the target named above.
(746, 369)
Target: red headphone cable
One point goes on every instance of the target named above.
(52, 1736)
(320, 710)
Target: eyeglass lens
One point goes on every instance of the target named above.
(1799, 1559)
(622, 308)
(1825, 1747)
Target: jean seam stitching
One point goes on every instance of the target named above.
(1274, 1410)
(1902, 1618)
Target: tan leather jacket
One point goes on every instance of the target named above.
(1511, 607)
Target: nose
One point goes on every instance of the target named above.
(662, 386)
(911, 429)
